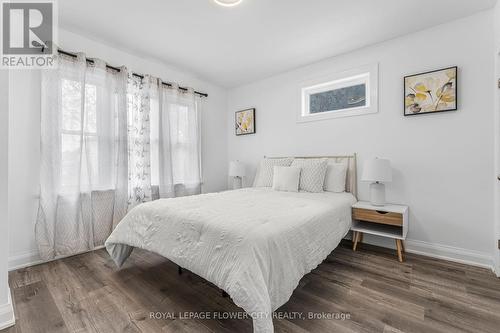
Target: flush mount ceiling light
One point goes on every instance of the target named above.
(227, 3)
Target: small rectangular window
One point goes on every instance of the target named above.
(345, 94)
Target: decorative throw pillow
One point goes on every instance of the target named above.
(336, 174)
(312, 176)
(264, 177)
(286, 179)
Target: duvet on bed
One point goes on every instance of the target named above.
(254, 243)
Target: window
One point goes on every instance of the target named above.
(345, 94)
(178, 129)
(96, 125)
(184, 144)
(86, 138)
(78, 133)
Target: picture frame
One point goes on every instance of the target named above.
(431, 92)
(244, 122)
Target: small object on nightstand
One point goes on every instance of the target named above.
(388, 221)
(377, 171)
(237, 171)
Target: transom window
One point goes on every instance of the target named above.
(349, 93)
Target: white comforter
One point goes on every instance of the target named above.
(254, 243)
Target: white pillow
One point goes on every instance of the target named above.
(312, 176)
(336, 174)
(286, 179)
(264, 177)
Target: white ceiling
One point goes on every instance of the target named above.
(231, 46)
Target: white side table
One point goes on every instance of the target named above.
(387, 221)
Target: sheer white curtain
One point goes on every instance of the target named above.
(83, 176)
(177, 132)
(109, 141)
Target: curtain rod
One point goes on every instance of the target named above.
(134, 74)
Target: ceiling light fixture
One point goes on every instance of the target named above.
(227, 3)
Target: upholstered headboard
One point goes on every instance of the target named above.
(351, 180)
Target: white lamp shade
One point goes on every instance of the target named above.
(236, 169)
(377, 170)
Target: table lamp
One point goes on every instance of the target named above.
(377, 171)
(237, 171)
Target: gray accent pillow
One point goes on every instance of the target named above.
(264, 177)
(312, 176)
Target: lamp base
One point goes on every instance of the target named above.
(377, 194)
(237, 183)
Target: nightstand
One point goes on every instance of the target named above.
(388, 221)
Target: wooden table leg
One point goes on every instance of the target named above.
(355, 236)
(399, 247)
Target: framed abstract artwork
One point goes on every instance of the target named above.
(431, 92)
(244, 122)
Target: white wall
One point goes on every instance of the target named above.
(443, 163)
(497, 134)
(25, 135)
(6, 310)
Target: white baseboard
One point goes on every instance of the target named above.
(24, 260)
(438, 251)
(33, 258)
(7, 317)
(463, 256)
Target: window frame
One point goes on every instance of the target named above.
(367, 74)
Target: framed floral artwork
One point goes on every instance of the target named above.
(245, 122)
(431, 92)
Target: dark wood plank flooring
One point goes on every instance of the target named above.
(87, 293)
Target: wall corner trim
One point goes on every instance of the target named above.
(7, 317)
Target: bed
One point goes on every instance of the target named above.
(254, 243)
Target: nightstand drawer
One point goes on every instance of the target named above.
(377, 216)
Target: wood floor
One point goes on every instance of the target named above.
(86, 293)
